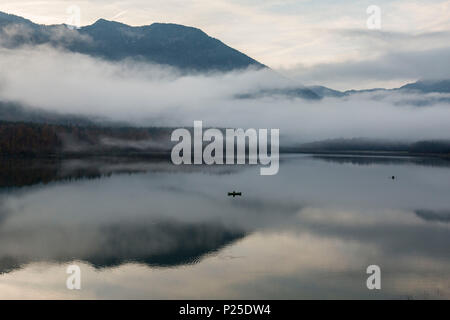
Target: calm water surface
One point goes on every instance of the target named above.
(151, 230)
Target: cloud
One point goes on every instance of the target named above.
(399, 66)
(18, 35)
(154, 95)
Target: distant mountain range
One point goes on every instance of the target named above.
(29, 131)
(423, 86)
(319, 92)
(185, 48)
(179, 46)
(429, 86)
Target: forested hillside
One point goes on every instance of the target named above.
(33, 139)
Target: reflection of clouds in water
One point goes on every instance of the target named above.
(272, 265)
(107, 245)
(398, 234)
(309, 231)
(4, 212)
(265, 257)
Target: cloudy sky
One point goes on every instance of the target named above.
(317, 42)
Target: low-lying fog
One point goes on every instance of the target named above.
(152, 95)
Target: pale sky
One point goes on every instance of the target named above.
(301, 38)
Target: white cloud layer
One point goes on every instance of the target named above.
(153, 95)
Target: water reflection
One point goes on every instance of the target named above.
(386, 160)
(160, 244)
(430, 215)
(148, 229)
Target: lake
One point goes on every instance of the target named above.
(141, 229)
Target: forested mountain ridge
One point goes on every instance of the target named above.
(179, 46)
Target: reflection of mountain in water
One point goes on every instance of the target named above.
(161, 244)
(151, 240)
(20, 172)
(433, 215)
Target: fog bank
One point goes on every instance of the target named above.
(152, 95)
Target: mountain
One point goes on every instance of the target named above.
(186, 48)
(372, 146)
(289, 93)
(421, 86)
(322, 91)
(428, 86)
(6, 19)
(179, 46)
